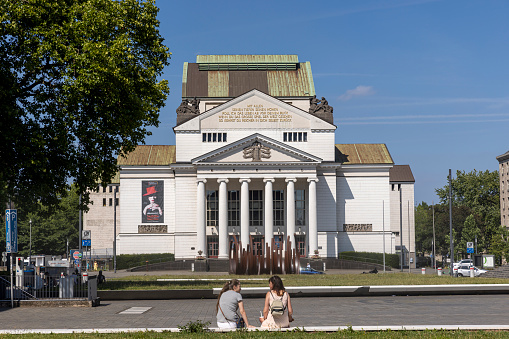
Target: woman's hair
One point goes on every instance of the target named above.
(277, 285)
(227, 287)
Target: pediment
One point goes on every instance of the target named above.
(255, 110)
(256, 149)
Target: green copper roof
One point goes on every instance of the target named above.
(228, 76)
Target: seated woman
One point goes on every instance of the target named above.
(228, 303)
(277, 291)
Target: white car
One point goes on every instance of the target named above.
(464, 271)
(469, 262)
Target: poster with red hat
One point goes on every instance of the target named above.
(152, 201)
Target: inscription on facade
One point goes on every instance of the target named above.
(152, 229)
(254, 113)
(357, 227)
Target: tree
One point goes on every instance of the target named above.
(470, 233)
(479, 192)
(51, 228)
(78, 87)
(499, 246)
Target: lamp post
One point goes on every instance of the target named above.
(30, 252)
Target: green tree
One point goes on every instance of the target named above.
(78, 86)
(499, 245)
(479, 192)
(51, 228)
(470, 233)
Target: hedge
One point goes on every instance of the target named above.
(391, 260)
(125, 261)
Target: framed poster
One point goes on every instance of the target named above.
(152, 205)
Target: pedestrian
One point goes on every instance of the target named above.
(282, 315)
(101, 278)
(228, 303)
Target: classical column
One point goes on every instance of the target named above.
(223, 219)
(313, 223)
(244, 211)
(201, 220)
(269, 211)
(290, 210)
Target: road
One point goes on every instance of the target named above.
(308, 312)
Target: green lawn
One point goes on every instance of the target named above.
(151, 283)
(293, 335)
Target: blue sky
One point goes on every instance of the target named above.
(427, 78)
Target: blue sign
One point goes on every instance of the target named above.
(470, 250)
(11, 231)
(86, 242)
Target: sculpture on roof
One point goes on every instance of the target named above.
(313, 104)
(189, 106)
(317, 105)
(184, 107)
(195, 105)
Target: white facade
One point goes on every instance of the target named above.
(257, 185)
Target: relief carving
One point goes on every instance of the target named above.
(357, 227)
(152, 229)
(256, 151)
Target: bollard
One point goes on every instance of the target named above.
(85, 277)
(440, 271)
(455, 272)
(472, 272)
(324, 267)
(423, 270)
(192, 267)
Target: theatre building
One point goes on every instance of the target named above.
(255, 157)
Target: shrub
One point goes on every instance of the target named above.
(391, 260)
(194, 327)
(125, 261)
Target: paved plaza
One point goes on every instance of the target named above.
(309, 312)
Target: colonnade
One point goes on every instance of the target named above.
(244, 213)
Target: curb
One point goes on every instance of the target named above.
(313, 291)
(300, 329)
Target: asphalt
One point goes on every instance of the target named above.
(316, 308)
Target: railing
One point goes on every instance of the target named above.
(46, 287)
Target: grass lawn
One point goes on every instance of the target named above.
(293, 335)
(138, 282)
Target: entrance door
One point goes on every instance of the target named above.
(212, 246)
(257, 241)
(278, 240)
(301, 244)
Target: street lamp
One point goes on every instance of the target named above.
(30, 253)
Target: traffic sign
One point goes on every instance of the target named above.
(86, 242)
(11, 228)
(76, 254)
(470, 250)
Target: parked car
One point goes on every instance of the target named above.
(464, 271)
(309, 270)
(468, 262)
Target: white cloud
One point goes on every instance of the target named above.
(359, 91)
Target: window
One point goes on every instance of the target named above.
(104, 202)
(295, 136)
(278, 205)
(116, 201)
(212, 208)
(111, 188)
(300, 207)
(104, 189)
(213, 137)
(256, 208)
(233, 208)
(110, 203)
(393, 187)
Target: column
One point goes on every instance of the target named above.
(313, 222)
(201, 220)
(269, 214)
(223, 219)
(290, 209)
(244, 211)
